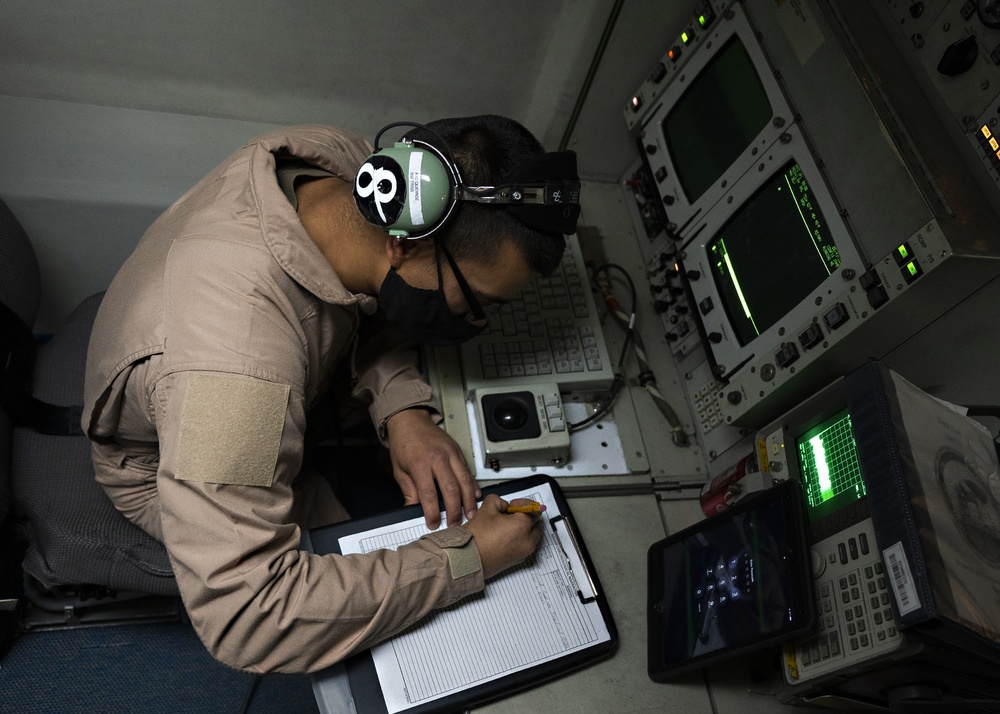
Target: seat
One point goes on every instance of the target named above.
(83, 559)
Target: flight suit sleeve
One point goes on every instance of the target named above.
(387, 372)
(231, 447)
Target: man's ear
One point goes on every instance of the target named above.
(399, 250)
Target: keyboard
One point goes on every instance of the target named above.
(550, 333)
(855, 621)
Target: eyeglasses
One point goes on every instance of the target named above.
(477, 311)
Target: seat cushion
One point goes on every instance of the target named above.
(76, 535)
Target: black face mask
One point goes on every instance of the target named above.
(423, 315)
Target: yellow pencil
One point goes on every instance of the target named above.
(530, 508)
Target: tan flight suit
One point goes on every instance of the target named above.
(213, 341)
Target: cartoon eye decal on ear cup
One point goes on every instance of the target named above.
(380, 190)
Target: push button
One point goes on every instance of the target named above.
(903, 254)
(811, 337)
(911, 271)
(786, 355)
(877, 297)
(836, 316)
(869, 279)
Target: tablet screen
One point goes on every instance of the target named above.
(733, 582)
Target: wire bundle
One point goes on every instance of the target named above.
(646, 377)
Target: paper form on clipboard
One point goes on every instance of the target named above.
(536, 612)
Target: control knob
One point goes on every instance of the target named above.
(818, 563)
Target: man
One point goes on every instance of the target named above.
(222, 331)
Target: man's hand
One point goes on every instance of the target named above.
(503, 539)
(425, 459)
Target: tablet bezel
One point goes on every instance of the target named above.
(789, 495)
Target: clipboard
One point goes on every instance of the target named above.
(579, 587)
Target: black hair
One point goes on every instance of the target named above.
(487, 149)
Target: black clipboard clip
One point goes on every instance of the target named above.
(574, 559)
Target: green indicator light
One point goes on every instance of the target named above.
(685, 37)
(701, 20)
(903, 252)
(912, 269)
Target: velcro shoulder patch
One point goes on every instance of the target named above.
(230, 430)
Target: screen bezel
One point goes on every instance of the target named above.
(680, 210)
(776, 445)
(789, 495)
(724, 349)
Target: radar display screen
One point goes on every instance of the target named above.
(831, 472)
(716, 119)
(771, 254)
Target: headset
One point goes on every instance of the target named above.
(411, 189)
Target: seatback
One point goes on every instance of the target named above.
(75, 535)
(20, 290)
